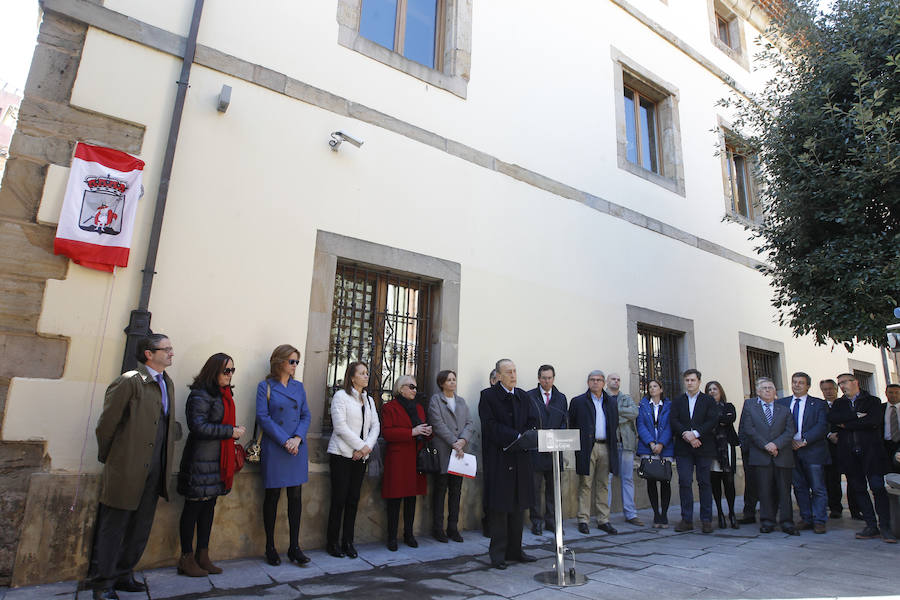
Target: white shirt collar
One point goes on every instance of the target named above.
(507, 391)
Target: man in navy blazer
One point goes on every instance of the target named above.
(811, 452)
(693, 419)
(596, 416)
(552, 409)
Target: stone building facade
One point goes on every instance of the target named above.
(554, 185)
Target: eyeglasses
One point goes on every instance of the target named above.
(167, 349)
(411, 386)
(293, 361)
(228, 371)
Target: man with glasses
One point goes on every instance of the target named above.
(136, 435)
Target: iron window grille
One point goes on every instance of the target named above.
(658, 358)
(383, 320)
(761, 363)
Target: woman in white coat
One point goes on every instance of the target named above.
(354, 420)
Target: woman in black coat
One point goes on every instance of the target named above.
(721, 474)
(208, 463)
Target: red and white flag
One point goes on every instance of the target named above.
(97, 217)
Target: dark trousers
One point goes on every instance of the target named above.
(751, 497)
(506, 535)
(833, 488)
(687, 465)
(346, 482)
(393, 516)
(196, 514)
(294, 508)
(857, 483)
(774, 487)
(122, 535)
(547, 520)
(451, 487)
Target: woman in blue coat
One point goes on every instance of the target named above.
(284, 417)
(655, 439)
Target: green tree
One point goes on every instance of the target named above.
(825, 133)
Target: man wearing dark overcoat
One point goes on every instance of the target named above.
(135, 439)
(506, 414)
(551, 406)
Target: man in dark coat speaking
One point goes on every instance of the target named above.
(506, 413)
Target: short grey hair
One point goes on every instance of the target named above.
(763, 380)
(595, 373)
(500, 363)
(401, 381)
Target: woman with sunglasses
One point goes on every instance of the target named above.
(208, 462)
(355, 428)
(283, 415)
(404, 428)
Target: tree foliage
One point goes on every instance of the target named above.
(825, 133)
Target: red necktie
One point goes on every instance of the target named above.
(546, 398)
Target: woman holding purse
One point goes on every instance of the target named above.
(208, 463)
(404, 429)
(655, 439)
(283, 415)
(721, 473)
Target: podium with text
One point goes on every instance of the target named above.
(556, 441)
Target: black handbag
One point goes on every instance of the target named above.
(427, 460)
(655, 469)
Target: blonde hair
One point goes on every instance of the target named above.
(280, 355)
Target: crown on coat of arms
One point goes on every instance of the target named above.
(109, 185)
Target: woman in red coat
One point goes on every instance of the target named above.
(404, 429)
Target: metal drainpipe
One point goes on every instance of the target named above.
(139, 324)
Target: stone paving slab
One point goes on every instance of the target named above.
(241, 574)
(164, 585)
(48, 591)
(286, 572)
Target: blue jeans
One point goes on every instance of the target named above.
(809, 490)
(686, 466)
(626, 477)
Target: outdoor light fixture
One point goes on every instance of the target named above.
(338, 137)
(224, 98)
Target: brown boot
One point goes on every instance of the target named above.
(205, 563)
(188, 566)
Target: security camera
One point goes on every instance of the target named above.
(339, 136)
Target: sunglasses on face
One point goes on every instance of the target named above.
(229, 371)
(293, 361)
(411, 386)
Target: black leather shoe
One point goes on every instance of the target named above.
(790, 530)
(349, 550)
(583, 528)
(537, 530)
(766, 529)
(858, 516)
(334, 550)
(722, 521)
(527, 558)
(272, 557)
(131, 585)
(748, 520)
(499, 565)
(608, 528)
(297, 556)
(454, 535)
(835, 514)
(440, 536)
(410, 540)
(392, 545)
(107, 594)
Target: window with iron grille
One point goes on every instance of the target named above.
(383, 320)
(658, 358)
(761, 363)
(864, 378)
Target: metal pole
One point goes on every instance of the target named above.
(139, 325)
(557, 504)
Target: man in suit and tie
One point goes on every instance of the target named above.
(136, 436)
(768, 428)
(810, 448)
(861, 453)
(694, 418)
(506, 414)
(596, 417)
(551, 406)
(493, 378)
(892, 426)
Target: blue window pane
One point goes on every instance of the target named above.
(377, 21)
(648, 136)
(421, 23)
(630, 134)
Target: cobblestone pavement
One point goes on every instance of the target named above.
(662, 564)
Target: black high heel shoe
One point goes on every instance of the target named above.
(296, 555)
(334, 550)
(348, 549)
(722, 521)
(272, 557)
(733, 521)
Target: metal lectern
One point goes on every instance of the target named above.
(556, 441)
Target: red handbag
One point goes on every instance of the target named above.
(240, 457)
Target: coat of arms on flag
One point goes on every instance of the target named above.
(97, 217)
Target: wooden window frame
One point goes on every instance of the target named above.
(439, 31)
(638, 96)
(732, 170)
(722, 22)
